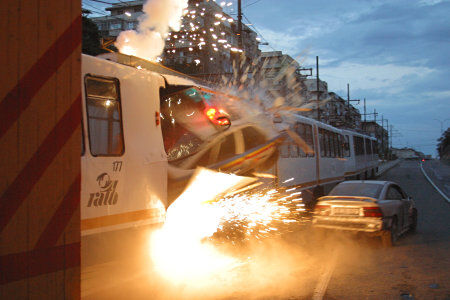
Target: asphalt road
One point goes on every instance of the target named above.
(305, 265)
(418, 267)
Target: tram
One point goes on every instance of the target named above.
(145, 132)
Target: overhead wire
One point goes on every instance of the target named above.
(254, 2)
(97, 10)
(259, 33)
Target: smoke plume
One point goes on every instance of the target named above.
(148, 40)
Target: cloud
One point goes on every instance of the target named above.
(394, 53)
(389, 77)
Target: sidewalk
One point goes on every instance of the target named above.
(387, 165)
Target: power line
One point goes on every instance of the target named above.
(256, 30)
(97, 10)
(104, 2)
(252, 3)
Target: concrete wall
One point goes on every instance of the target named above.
(40, 110)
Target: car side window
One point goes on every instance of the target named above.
(227, 148)
(253, 138)
(204, 159)
(393, 194)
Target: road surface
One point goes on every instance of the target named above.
(308, 266)
(418, 267)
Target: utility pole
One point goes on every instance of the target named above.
(364, 110)
(382, 134)
(317, 85)
(239, 39)
(348, 100)
(240, 24)
(389, 147)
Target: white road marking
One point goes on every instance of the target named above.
(324, 279)
(432, 183)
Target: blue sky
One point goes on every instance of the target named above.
(395, 53)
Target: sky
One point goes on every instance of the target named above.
(394, 53)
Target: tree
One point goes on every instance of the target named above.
(443, 146)
(91, 37)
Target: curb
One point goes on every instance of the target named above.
(432, 183)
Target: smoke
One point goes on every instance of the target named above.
(148, 40)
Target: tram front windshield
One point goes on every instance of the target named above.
(184, 123)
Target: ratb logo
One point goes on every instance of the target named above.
(107, 194)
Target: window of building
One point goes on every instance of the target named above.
(114, 26)
(130, 25)
(104, 116)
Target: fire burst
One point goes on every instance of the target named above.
(185, 250)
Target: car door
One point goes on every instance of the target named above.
(395, 196)
(406, 205)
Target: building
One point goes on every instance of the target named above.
(206, 45)
(124, 16)
(279, 74)
(377, 131)
(406, 153)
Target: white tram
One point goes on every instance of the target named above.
(144, 133)
(331, 155)
(136, 145)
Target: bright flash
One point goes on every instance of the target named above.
(182, 250)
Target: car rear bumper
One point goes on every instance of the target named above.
(349, 223)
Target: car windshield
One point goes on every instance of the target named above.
(357, 189)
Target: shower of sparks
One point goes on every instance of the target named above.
(186, 249)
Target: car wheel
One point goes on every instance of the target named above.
(413, 223)
(389, 237)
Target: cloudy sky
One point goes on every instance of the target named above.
(394, 53)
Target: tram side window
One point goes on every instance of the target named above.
(346, 146)
(322, 142)
(104, 116)
(309, 139)
(284, 152)
(368, 146)
(375, 147)
(300, 129)
(359, 145)
(338, 144)
(326, 143)
(331, 144)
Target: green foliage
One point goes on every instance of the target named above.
(443, 145)
(91, 37)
